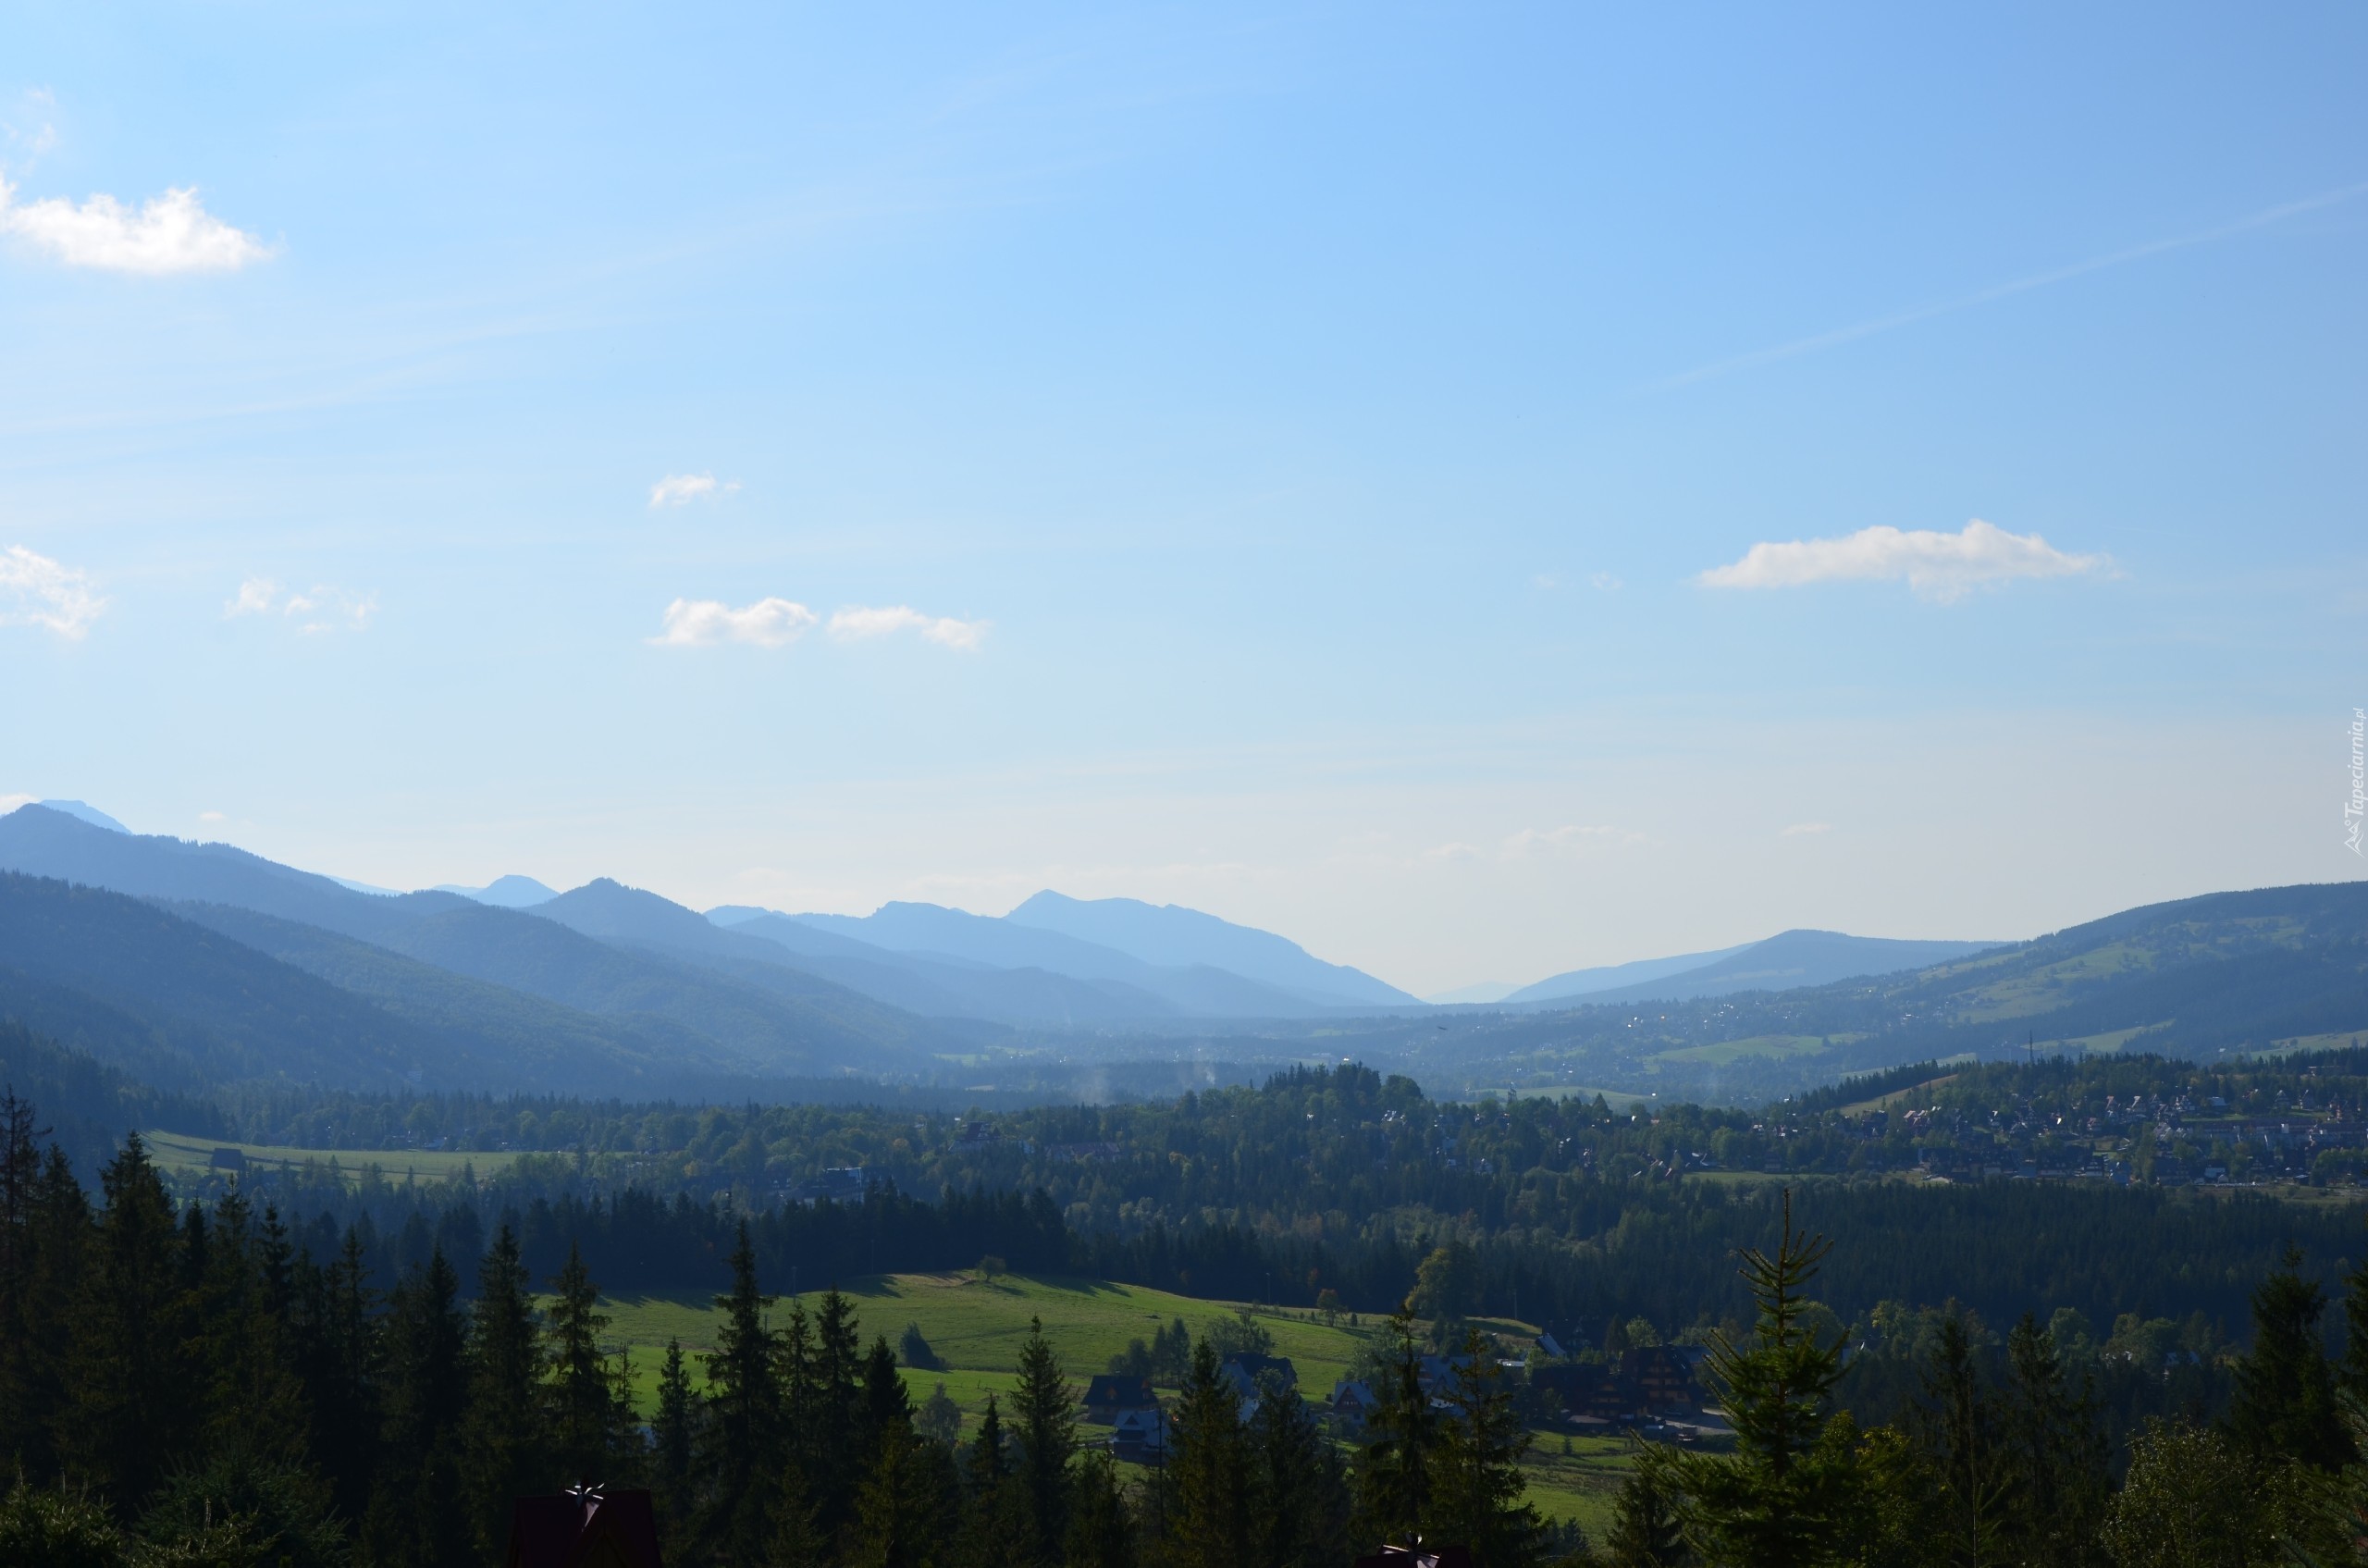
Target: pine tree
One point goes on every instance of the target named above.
(1477, 1488)
(504, 1432)
(1100, 1532)
(59, 1239)
(1394, 1474)
(134, 1374)
(587, 1402)
(832, 1459)
(2284, 1405)
(417, 1517)
(1047, 1422)
(1785, 1496)
(1208, 1480)
(2056, 1455)
(1298, 1495)
(669, 1459)
(742, 1455)
(1645, 1531)
(887, 1408)
(19, 1181)
(340, 1357)
(1959, 1422)
(994, 1526)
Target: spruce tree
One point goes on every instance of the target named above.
(589, 1413)
(60, 1238)
(134, 1374)
(1298, 1495)
(504, 1436)
(417, 1517)
(1476, 1485)
(887, 1408)
(2056, 1453)
(2284, 1405)
(1645, 1532)
(1394, 1474)
(1100, 1532)
(1959, 1424)
(669, 1458)
(342, 1355)
(833, 1456)
(741, 1455)
(1785, 1496)
(1047, 1422)
(1208, 1480)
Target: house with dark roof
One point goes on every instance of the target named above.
(1352, 1405)
(1140, 1436)
(1242, 1371)
(1111, 1394)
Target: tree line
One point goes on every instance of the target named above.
(195, 1384)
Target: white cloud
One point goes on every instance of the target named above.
(10, 802)
(1941, 566)
(680, 489)
(857, 622)
(45, 594)
(1604, 582)
(213, 817)
(699, 622)
(1804, 830)
(168, 233)
(324, 608)
(35, 135)
(1570, 840)
(255, 596)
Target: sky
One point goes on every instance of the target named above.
(1481, 491)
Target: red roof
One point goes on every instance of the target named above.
(587, 1529)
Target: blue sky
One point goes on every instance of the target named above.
(1305, 463)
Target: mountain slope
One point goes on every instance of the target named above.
(1173, 937)
(1192, 991)
(2222, 973)
(937, 985)
(536, 1041)
(780, 1022)
(1613, 977)
(1788, 961)
(208, 1009)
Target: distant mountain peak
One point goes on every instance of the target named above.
(512, 892)
(82, 811)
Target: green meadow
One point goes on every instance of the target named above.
(183, 1157)
(977, 1325)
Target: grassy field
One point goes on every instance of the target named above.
(1719, 1052)
(977, 1327)
(1578, 1484)
(182, 1155)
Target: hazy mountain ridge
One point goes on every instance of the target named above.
(2221, 972)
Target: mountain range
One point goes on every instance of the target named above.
(188, 965)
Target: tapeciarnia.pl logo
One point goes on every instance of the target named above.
(2356, 808)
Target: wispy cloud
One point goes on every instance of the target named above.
(1937, 565)
(857, 622)
(701, 623)
(167, 234)
(28, 133)
(213, 817)
(1805, 830)
(37, 591)
(1568, 840)
(2262, 219)
(680, 489)
(10, 802)
(322, 608)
